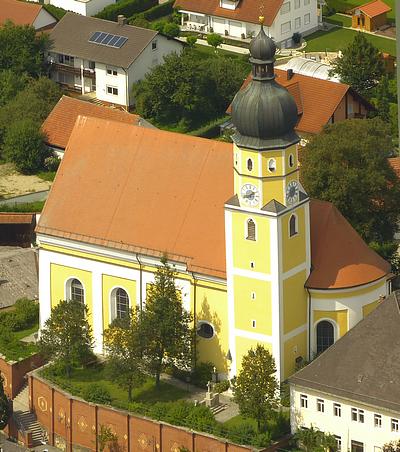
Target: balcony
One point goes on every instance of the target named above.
(89, 73)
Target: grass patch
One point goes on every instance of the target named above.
(148, 393)
(203, 52)
(28, 207)
(47, 175)
(339, 38)
(339, 19)
(15, 349)
(239, 420)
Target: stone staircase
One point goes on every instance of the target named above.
(25, 420)
(218, 409)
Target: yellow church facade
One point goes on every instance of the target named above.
(256, 261)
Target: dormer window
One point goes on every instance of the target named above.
(228, 4)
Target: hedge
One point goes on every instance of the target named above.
(126, 7)
(57, 12)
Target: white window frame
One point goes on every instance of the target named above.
(154, 45)
(307, 19)
(337, 410)
(394, 425)
(112, 88)
(296, 226)
(68, 288)
(201, 322)
(357, 415)
(303, 401)
(111, 71)
(286, 27)
(285, 8)
(377, 421)
(113, 301)
(321, 405)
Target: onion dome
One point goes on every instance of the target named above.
(264, 113)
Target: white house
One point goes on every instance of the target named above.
(240, 18)
(22, 13)
(352, 390)
(105, 58)
(84, 7)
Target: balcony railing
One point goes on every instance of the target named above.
(90, 73)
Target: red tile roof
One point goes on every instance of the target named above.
(374, 8)
(316, 99)
(246, 11)
(153, 191)
(16, 218)
(60, 122)
(20, 13)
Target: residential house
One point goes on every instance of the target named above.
(59, 124)
(84, 7)
(319, 102)
(105, 58)
(371, 16)
(23, 13)
(352, 390)
(240, 18)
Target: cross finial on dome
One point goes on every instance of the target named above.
(261, 17)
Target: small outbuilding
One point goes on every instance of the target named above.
(371, 16)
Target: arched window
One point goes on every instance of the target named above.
(250, 165)
(325, 335)
(272, 165)
(293, 226)
(291, 160)
(251, 230)
(121, 304)
(205, 330)
(76, 291)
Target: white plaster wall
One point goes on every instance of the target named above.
(43, 20)
(150, 58)
(89, 8)
(118, 81)
(342, 426)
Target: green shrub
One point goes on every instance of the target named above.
(97, 393)
(222, 386)
(52, 163)
(202, 374)
(140, 21)
(27, 313)
(126, 7)
(243, 433)
(209, 130)
(159, 10)
(191, 41)
(171, 30)
(23, 207)
(159, 25)
(56, 11)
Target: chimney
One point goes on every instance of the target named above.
(289, 74)
(122, 20)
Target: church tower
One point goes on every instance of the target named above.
(267, 222)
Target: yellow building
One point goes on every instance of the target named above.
(256, 261)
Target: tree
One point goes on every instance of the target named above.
(347, 165)
(123, 344)
(313, 440)
(361, 65)
(23, 50)
(66, 337)
(24, 146)
(166, 324)
(171, 30)
(191, 41)
(106, 436)
(393, 446)
(10, 84)
(214, 40)
(256, 388)
(383, 99)
(5, 411)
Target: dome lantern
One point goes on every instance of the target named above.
(264, 113)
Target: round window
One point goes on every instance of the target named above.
(272, 165)
(205, 330)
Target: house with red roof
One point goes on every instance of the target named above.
(240, 18)
(371, 16)
(23, 13)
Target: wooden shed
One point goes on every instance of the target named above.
(371, 16)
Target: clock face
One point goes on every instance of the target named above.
(250, 194)
(292, 192)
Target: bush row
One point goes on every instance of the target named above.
(27, 207)
(155, 12)
(126, 7)
(25, 315)
(55, 11)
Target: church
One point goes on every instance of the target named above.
(257, 261)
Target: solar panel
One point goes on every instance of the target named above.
(108, 39)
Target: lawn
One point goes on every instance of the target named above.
(339, 38)
(345, 5)
(28, 207)
(339, 19)
(15, 350)
(148, 393)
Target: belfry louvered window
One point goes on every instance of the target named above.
(251, 230)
